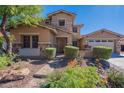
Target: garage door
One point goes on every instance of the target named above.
(108, 43)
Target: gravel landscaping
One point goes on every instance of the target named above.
(35, 66)
(32, 65)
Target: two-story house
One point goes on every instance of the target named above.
(58, 30)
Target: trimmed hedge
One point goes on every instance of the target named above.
(102, 52)
(50, 53)
(71, 51)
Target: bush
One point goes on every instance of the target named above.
(102, 52)
(5, 61)
(115, 79)
(50, 53)
(1, 41)
(76, 77)
(71, 51)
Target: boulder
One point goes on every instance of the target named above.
(43, 72)
(13, 75)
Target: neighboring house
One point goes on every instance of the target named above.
(58, 30)
(104, 37)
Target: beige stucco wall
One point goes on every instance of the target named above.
(46, 37)
(68, 20)
(65, 34)
(42, 32)
(104, 36)
(69, 24)
(76, 35)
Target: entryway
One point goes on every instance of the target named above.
(61, 43)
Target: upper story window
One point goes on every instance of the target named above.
(75, 29)
(62, 22)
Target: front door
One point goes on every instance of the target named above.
(122, 48)
(61, 43)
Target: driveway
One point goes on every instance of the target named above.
(117, 61)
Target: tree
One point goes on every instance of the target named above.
(13, 15)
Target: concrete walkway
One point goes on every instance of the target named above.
(117, 61)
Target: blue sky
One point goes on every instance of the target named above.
(93, 17)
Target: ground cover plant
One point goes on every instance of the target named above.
(5, 60)
(73, 77)
(115, 79)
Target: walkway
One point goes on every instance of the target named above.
(117, 61)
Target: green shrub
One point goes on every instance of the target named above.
(76, 77)
(5, 61)
(115, 79)
(71, 51)
(102, 52)
(50, 53)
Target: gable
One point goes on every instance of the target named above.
(103, 34)
(61, 12)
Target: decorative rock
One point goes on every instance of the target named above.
(43, 72)
(13, 75)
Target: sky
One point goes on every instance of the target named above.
(94, 17)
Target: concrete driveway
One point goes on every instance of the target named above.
(117, 61)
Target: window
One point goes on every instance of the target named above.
(91, 40)
(26, 41)
(104, 40)
(62, 22)
(30, 41)
(74, 43)
(97, 40)
(47, 22)
(75, 29)
(34, 41)
(110, 40)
